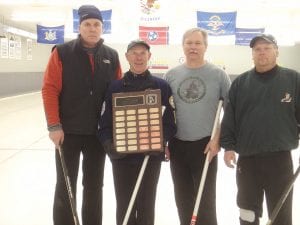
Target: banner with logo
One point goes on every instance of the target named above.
(50, 35)
(154, 35)
(243, 36)
(106, 16)
(150, 10)
(217, 23)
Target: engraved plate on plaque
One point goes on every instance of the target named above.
(137, 121)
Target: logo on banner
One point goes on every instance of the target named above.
(149, 6)
(150, 10)
(217, 23)
(50, 35)
(154, 35)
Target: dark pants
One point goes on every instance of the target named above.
(125, 176)
(265, 175)
(187, 160)
(92, 169)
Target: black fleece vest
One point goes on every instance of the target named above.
(83, 92)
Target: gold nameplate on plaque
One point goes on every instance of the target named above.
(137, 121)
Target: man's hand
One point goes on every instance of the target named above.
(213, 147)
(110, 150)
(230, 158)
(57, 137)
(167, 153)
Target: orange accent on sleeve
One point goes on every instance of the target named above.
(52, 85)
(119, 72)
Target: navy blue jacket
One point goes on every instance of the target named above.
(129, 83)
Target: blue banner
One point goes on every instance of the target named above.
(217, 24)
(50, 35)
(106, 16)
(243, 36)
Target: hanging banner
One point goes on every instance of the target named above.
(243, 36)
(217, 24)
(154, 35)
(50, 35)
(150, 10)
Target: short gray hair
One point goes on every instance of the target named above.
(193, 30)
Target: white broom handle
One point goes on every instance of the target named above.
(136, 188)
(205, 168)
(138, 182)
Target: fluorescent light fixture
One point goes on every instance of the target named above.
(20, 32)
(45, 17)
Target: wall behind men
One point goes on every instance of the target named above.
(22, 76)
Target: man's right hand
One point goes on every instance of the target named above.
(57, 137)
(110, 150)
(229, 158)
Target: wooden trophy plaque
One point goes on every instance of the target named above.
(137, 121)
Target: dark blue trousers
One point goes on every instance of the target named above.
(125, 176)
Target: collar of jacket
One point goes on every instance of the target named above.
(138, 82)
(80, 46)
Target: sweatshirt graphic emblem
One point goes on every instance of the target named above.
(191, 89)
(286, 98)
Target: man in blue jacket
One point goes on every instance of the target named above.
(126, 167)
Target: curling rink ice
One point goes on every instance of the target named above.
(27, 174)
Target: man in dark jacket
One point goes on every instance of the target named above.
(261, 124)
(126, 167)
(77, 76)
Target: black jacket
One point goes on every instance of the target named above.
(263, 112)
(129, 83)
(83, 91)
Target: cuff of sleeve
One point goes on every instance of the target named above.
(54, 127)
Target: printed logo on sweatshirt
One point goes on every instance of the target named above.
(191, 90)
(287, 98)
